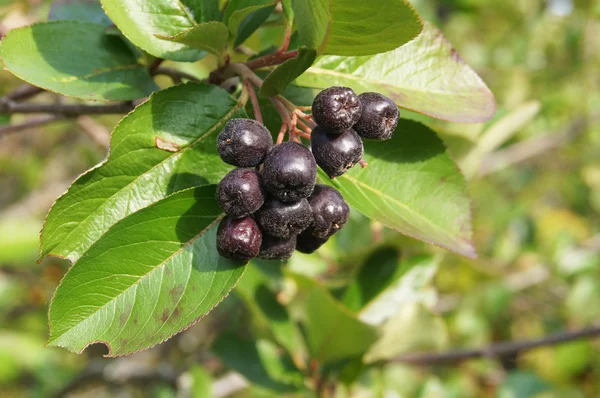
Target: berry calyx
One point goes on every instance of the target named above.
(336, 153)
(336, 109)
(379, 117)
(277, 249)
(308, 243)
(283, 220)
(239, 239)
(244, 142)
(290, 172)
(240, 193)
(330, 211)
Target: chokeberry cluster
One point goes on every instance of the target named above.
(271, 199)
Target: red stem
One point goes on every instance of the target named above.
(271, 59)
(254, 100)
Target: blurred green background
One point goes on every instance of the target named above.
(534, 174)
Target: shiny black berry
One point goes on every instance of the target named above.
(239, 239)
(277, 249)
(240, 193)
(379, 117)
(244, 142)
(336, 153)
(289, 172)
(308, 243)
(283, 220)
(330, 211)
(336, 109)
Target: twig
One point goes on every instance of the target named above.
(154, 66)
(30, 124)
(286, 40)
(254, 100)
(245, 72)
(497, 350)
(175, 74)
(271, 60)
(24, 91)
(97, 132)
(8, 107)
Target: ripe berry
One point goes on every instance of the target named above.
(283, 220)
(289, 172)
(308, 243)
(330, 211)
(240, 193)
(244, 142)
(379, 117)
(334, 153)
(238, 239)
(336, 109)
(277, 249)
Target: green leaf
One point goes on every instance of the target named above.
(350, 28)
(148, 277)
(75, 59)
(413, 329)
(201, 383)
(426, 75)
(140, 22)
(244, 17)
(333, 332)
(522, 384)
(80, 10)
(287, 72)
(413, 186)
(209, 36)
(260, 362)
(204, 10)
(165, 145)
(288, 11)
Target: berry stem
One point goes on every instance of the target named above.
(286, 40)
(281, 134)
(245, 73)
(363, 164)
(254, 100)
(271, 59)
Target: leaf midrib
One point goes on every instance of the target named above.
(136, 283)
(172, 156)
(385, 196)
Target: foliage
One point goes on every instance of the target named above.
(129, 247)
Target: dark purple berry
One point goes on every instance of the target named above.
(289, 172)
(283, 220)
(277, 249)
(336, 109)
(240, 193)
(330, 211)
(239, 239)
(336, 153)
(244, 142)
(379, 118)
(308, 243)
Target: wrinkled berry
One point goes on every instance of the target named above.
(336, 109)
(283, 220)
(330, 211)
(244, 142)
(308, 243)
(289, 172)
(277, 249)
(379, 117)
(240, 193)
(334, 153)
(238, 239)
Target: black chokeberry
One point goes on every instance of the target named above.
(239, 239)
(330, 211)
(336, 153)
(308, 243)
(283, 220)
(244, 142)
(277, 249)
(290, 172)
(336, 109)
(379, 117)
(240, 193)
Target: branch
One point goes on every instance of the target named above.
(497, 350)
(5, 130)
(24, 91)
(8, 107)
(271, 60)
